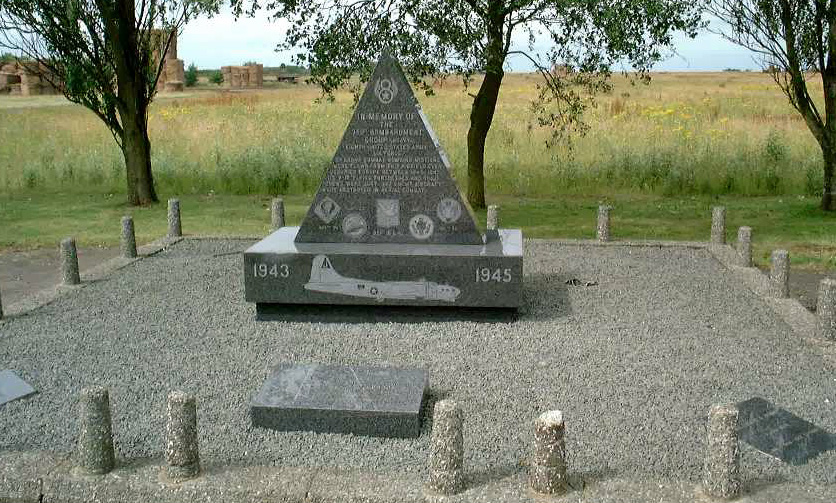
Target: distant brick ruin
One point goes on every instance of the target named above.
(173, 74)
(24, 79)
(241, 77)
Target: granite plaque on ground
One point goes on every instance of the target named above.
(372, 401)
(388, 226)
(13, 387)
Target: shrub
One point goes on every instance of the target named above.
(216, 77)
(191, 75)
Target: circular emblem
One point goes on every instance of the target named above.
(421, 226)
(449, 210)
(386, 90)
(354, 225)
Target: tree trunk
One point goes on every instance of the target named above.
(827, 195)
(481, 117)
(136, 147)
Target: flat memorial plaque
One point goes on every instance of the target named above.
(780, 433)
(13, 387)
(372, 401)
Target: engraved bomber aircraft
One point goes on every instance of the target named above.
(325, 279)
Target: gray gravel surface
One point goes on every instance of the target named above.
(634, 362)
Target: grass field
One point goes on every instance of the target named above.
(662, 154)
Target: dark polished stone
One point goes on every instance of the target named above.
(780, 433)
(390, 179)
(13, 387)
(372, 401)
(279, 271)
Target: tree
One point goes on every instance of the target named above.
(191, 75)
(434, 38)
(796, 41)
(217, 77)
(106, 55)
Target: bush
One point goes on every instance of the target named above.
(191, 75)
(216, 77)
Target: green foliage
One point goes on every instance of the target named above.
(216, 77)
(7, 57)
(795, 40)
(191, 75)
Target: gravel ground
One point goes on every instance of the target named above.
(634, 362)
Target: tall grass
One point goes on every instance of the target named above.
(684, 134)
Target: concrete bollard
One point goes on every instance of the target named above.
(69, 262)
(181, 451)
(446, 449)
(604, 223)
(718, 225)
(95, 439)
(780, 273)
(493, 217)
(175, 230)
(277, 213)
(128, 241)
(826, 309)
(547, 473)
(744, 246)
(721, 476)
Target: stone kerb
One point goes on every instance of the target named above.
(277, 214)
(721, 475)
(779, 273)
(175, 229)
(603, 231)
(718, 225)
(826, 309)
(69, 262)
(127, 242)
(181, 449)
(94, 455)
(744, 246)
(446, 449)
(547, 473)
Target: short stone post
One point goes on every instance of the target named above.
(493, 217)
(181, 452)
(547, 473)
(277, 213)
(1, 306)
(95, 439)
(174, 228)
(744, 246)
(604, 223)
(718, 225)
(128, 241)
(780, 273)
(721, 477)
(826, 309)
(446, 449)
(69, 262)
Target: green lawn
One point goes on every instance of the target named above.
(33, 220)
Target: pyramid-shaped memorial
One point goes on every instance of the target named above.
(390, 179)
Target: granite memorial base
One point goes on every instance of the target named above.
(278, 270)
(370, 401)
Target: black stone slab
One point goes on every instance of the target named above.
(780, 433)
(371, 401)
(278, 270)
(13, 387)
(389, 181)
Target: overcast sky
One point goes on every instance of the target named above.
(212, 43)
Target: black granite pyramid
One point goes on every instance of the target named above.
(390, 179)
